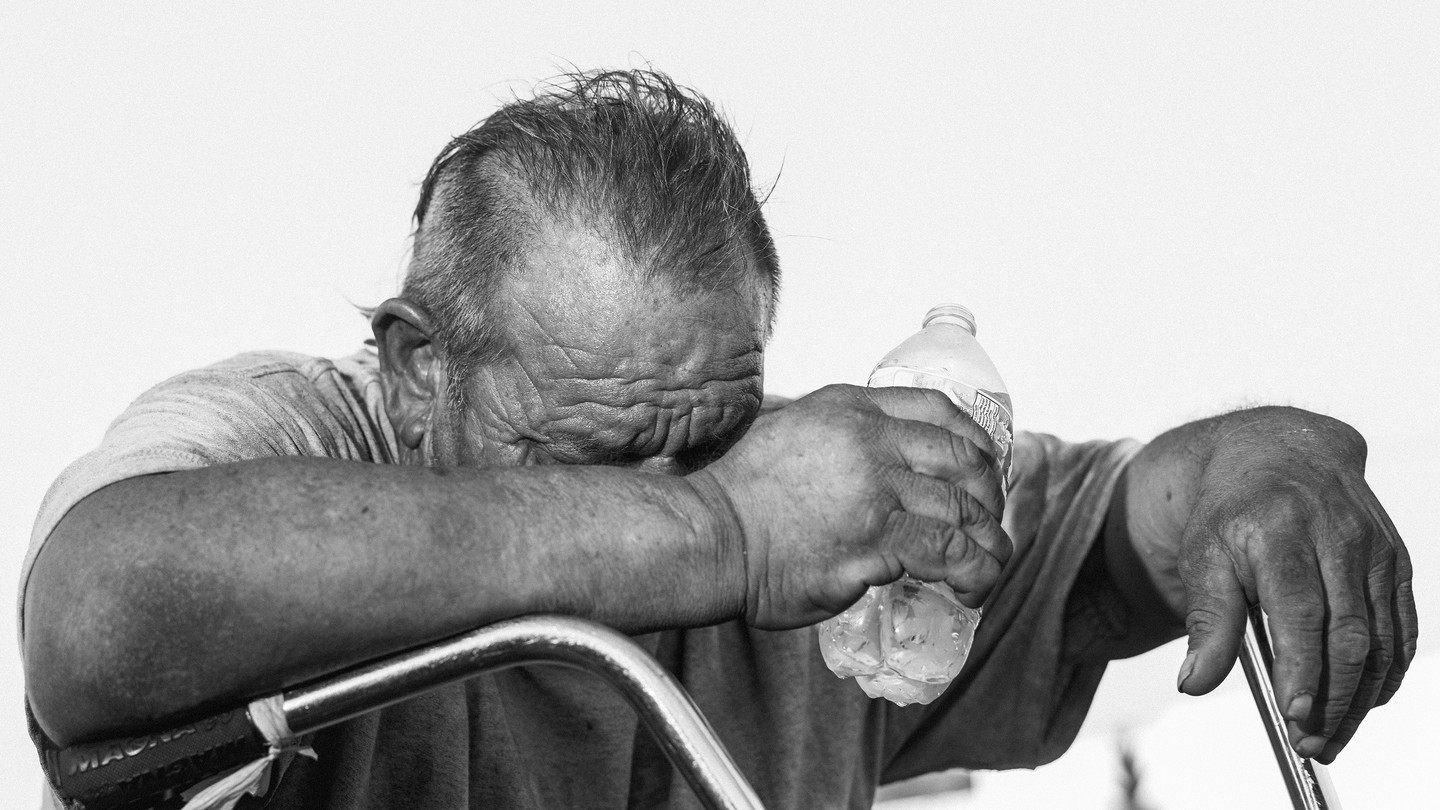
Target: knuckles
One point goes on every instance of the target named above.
(1293, 509)
(940, 545)
(1301, 611)
(1271, 510)
(1380, 660)
(971, 459)
(1201, 621)
(937, 400)
(1349, 640)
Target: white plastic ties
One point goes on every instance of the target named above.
(268, 716)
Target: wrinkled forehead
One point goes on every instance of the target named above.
(575, 292)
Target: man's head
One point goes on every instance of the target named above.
(592, 282)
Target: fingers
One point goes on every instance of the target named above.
(1300, 532)
(1391, 636)
(1215, 621)
(932, 407)
(1406, 624)
(1337, 621)
(940, 551)
(950, 492)
(1318, 647)
(935, 452)
(1345, 708)
(1404, 621)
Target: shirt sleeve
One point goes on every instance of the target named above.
(1020, 700)
(258, 405)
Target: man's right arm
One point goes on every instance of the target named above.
(165, 597)
(171, 594)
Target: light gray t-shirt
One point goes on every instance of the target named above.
(251, 406)
(540, 737)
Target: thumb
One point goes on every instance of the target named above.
(1216, 610)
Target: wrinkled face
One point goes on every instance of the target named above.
(607, 369)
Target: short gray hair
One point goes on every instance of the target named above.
(651, 162)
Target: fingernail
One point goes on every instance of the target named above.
(1185, 669)
(1299, 707)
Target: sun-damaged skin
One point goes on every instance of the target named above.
(1269, 506)
(667, 385)
(605, 369)
(164, 597)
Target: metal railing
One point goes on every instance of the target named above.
(682, 731)
(152, 769)
(1306, 781)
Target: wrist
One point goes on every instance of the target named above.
(716, 525)
(1144, 577)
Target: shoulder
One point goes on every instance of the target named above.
(250, 406)
(272, 368)
(285, 385)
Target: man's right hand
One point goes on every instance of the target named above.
(851, 487)
(160, 597)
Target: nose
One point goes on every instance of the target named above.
(663, 465)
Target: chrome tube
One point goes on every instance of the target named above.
(1306, 780)
(683, 733)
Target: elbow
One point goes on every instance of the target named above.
(87, 657)
(62, 661)
(60, 699)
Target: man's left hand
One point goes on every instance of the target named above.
(1270, 506)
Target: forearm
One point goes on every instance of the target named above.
(1116, 609)
(158, 596)
(1131, 577)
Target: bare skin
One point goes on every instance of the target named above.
(163, 597)
(1269, 506)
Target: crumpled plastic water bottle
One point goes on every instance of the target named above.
(907, 640)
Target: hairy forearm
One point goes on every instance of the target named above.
(163, 596)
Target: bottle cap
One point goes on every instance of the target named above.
(950, 313)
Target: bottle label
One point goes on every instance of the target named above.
(989, 409)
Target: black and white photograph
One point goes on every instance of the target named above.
(926, 406)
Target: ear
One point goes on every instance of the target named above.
(412, 367)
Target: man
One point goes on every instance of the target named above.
(564, 413)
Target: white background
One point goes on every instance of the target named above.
(1156, 213)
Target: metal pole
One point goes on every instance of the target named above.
(1307, 781)
(683, 733)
